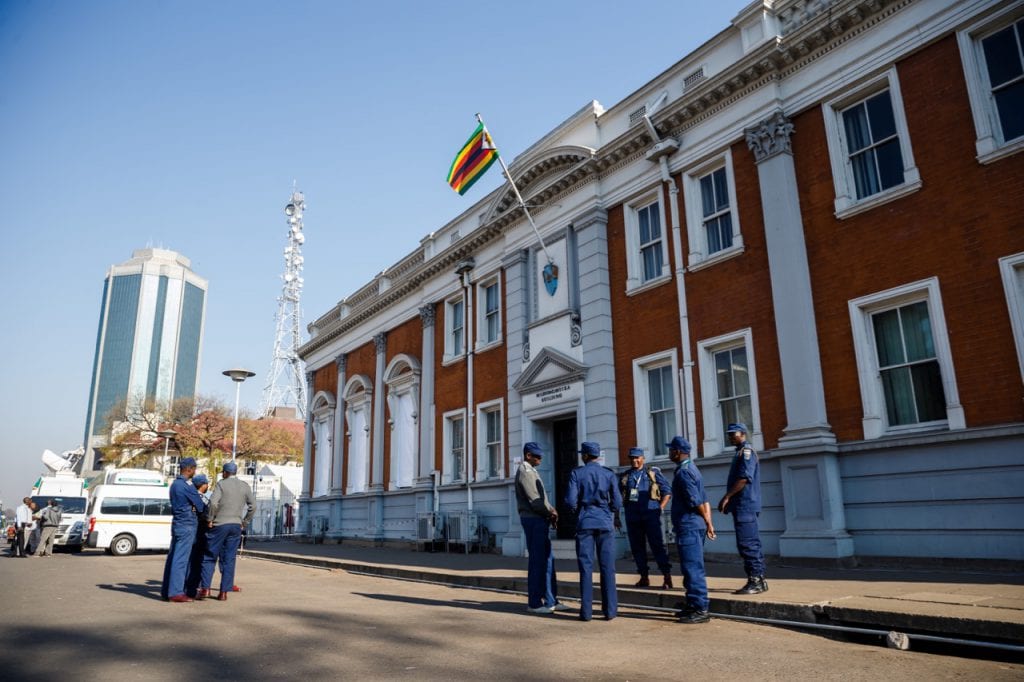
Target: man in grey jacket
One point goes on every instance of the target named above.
(536, 514)
(231, 506)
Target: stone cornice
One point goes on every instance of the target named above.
(810, 28)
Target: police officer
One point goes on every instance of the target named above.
(186, 503)
(536, 514)
(645, 492)
(691, 521)
(594, 493)
(743, 500)
(195, 561)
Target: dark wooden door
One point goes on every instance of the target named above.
(566, 458)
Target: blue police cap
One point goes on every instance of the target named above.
(636, 452)
(679, 443)
(230, 468)
(199, 479)
(187, 462)
(532, 448)
(738, 426)
(590, 449)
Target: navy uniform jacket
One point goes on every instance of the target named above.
(186, 502)
(594, 493)
(687, 495)
(643, 485)
(745, 465)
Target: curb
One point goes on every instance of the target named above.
(812, 614)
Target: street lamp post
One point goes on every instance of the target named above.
(167, 435)
(238, 376)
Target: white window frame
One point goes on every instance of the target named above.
(482, 410)
(450, 354)
(448, 475)
(714, 436)
(1009, 266)
(846, 203)
(323, 406)
(402, 378)
(358, 473)
(634, 261)
(481, 323)
(696, 234)
(989, 143)
(642, 401)
(875, 421)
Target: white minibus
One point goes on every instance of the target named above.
(125, 517)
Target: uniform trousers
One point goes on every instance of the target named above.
(222, 544)
(748, 542)
(604, 542)
(176, 566)
(195, 561)
(643, 528)
(690, 543)
(541, 581)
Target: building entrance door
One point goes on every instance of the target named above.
(566, 459)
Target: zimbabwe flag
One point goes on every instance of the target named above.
(473, 160)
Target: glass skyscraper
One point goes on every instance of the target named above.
(148, 344)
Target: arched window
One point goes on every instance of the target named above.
(358, 403)
(403, 384)
(323, 438)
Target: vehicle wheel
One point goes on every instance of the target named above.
(122, 545)
(77, 548)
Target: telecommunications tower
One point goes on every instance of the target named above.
(286, 385)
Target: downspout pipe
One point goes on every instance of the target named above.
(464, 270)
(662, 149)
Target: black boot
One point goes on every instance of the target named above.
(755, 585)
(643, 582)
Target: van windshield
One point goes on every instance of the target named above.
(68, 505)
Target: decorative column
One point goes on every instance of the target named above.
(380, 342)
(513, 542)
(307, 445)
(425, 463)
(811, 484)
(338, 464)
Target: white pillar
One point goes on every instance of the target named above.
(380, 342)
(338, 458)
(426, 407)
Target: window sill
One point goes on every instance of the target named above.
(488, 346)
(452, 359)
(854, 208)
(715, 258)
(1002, 152)
(648, 285)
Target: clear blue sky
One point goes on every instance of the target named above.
(125, 124)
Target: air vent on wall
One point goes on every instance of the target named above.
(637, 115)
(694, 78)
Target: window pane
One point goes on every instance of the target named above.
(1010, 105)
(887, 338)
(643, 217)
(741, 378)
(725, 230)
(707, 195)
(917, 332)
(654, 220)
(654, 390)
(652, 261)
(883, 123)
(724, 374)
(714, 236)
(890, 164)
(491, 294)
(855, 120)
(664, 424)
(721, 190)
(1002, 56)
(899, 396)
(865, 175)
(928, 391)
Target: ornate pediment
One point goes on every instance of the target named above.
(550, 368)
(540, 175)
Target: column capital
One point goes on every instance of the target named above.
(380, 342)
(341, 360)
(427, 315)
(593, 215)
(770, 137)
(309, 378)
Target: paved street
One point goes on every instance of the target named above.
(93, 616)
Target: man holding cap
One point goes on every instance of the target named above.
(691, 521)
(645, 492)
(536, 514)
(186, 503)
(231, 506)
(593, 492)
(743, 500)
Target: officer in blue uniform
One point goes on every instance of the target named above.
(195, 561)
(186, 503)
(743, 500)
(645, 493)
(594, 494)
(691, 521)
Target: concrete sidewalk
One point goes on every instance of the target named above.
(942, 602)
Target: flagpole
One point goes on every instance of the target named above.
(519, 196)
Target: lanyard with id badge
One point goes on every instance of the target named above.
(634, 490)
